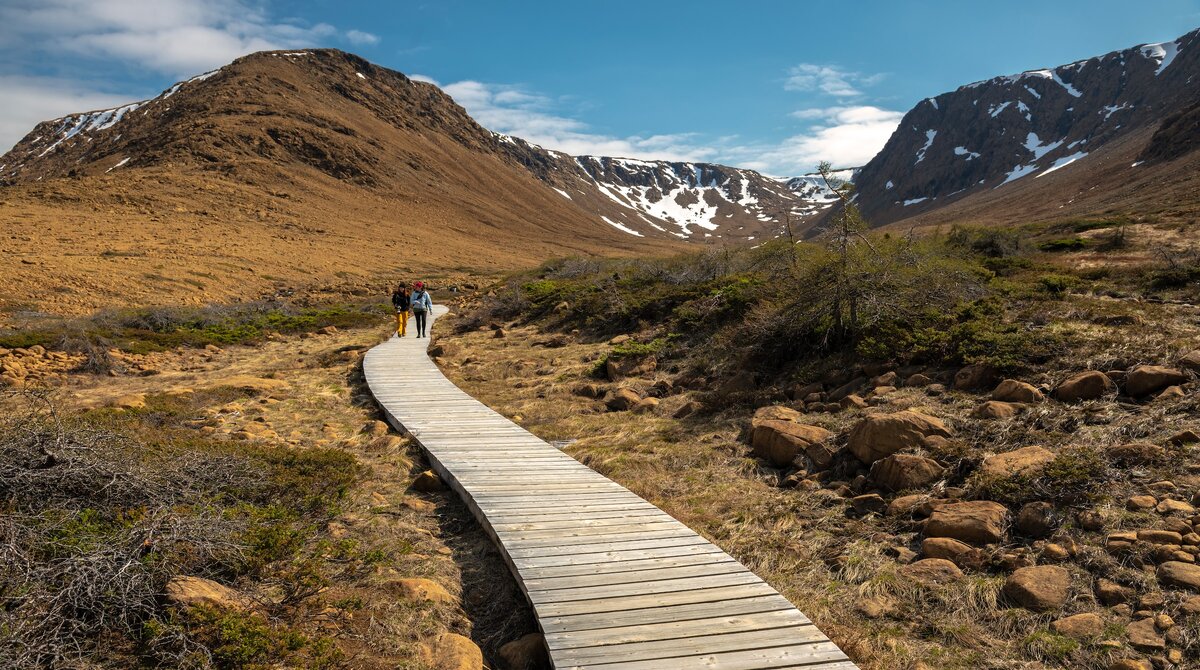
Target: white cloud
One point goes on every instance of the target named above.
(513, 110)
(361, 38)
(846, 137)
(176, 37)
(31, 100)
(828, 79)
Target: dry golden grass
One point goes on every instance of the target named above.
(698, 471)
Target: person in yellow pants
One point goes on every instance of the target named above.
(401, 301)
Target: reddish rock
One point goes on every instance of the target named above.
(973, 522)
(1146, 379)
(899, 472)
(963, 555)
(1011, 390)
(1024, 461)
(1088, 385)
(932, 571)
(1135, 453)
(880, 435)
(780, 442)
(995, 409)
(1180, 574)
(1086, 626)
(1040, 588)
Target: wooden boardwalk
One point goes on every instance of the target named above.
(615, 583)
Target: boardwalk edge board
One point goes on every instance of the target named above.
(614, 582)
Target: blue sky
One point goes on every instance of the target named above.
(775, 86)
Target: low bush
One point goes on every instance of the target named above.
(101, 511)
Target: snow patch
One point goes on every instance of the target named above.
(929, 135)
(361, 75)
(889, 186)
(621, 227)
(962, 151)
(914, 201)
(1163, 52)
(994, 111)
(1062, 163)
(563, 193)
(123, 161)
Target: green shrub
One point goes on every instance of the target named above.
(1057, 285)
(1064, 244)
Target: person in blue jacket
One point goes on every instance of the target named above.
(421, 306)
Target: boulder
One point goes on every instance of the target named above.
(1135, 453)
(622, 399)
(974, 377)
(774, 413)
(973, 522)
(451, 651)
(1143, 634)
(527, 652)
(375, 429)
(253, 385)
(1146, 379)
(1130, 664)
(1027, 461)
(917, 380)
(1040, 588)
(871, 503)
(880, 435)
(780, 442)
(645, 405)
(1087, 385)
(1111, 593)
(1178, 507)
(1191, 361)
(130, 401)
(1140, 503)
(1086, 626)
(186, 591)
(931, 571)
(1036, 519)
(995, 409)
(419, 590)
(899, 472)
(1011, 390)
(428, 482)
(1180, 574)
(619, 368)
(961, 554)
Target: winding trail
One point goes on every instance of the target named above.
(615, 583)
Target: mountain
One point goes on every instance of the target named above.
(1039, 142)
(691, 201)
(313, 167)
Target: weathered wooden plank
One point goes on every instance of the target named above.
(670, 630)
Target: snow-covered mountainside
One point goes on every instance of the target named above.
(691, 201)
(1007, 130)
(813, 188)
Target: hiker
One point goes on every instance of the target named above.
(421, 306)
(400, 301)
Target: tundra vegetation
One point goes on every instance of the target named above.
(973, 448)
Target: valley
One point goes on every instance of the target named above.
(943, 401)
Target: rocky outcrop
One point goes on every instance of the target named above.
(881, 435)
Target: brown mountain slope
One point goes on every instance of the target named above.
(282, 167)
